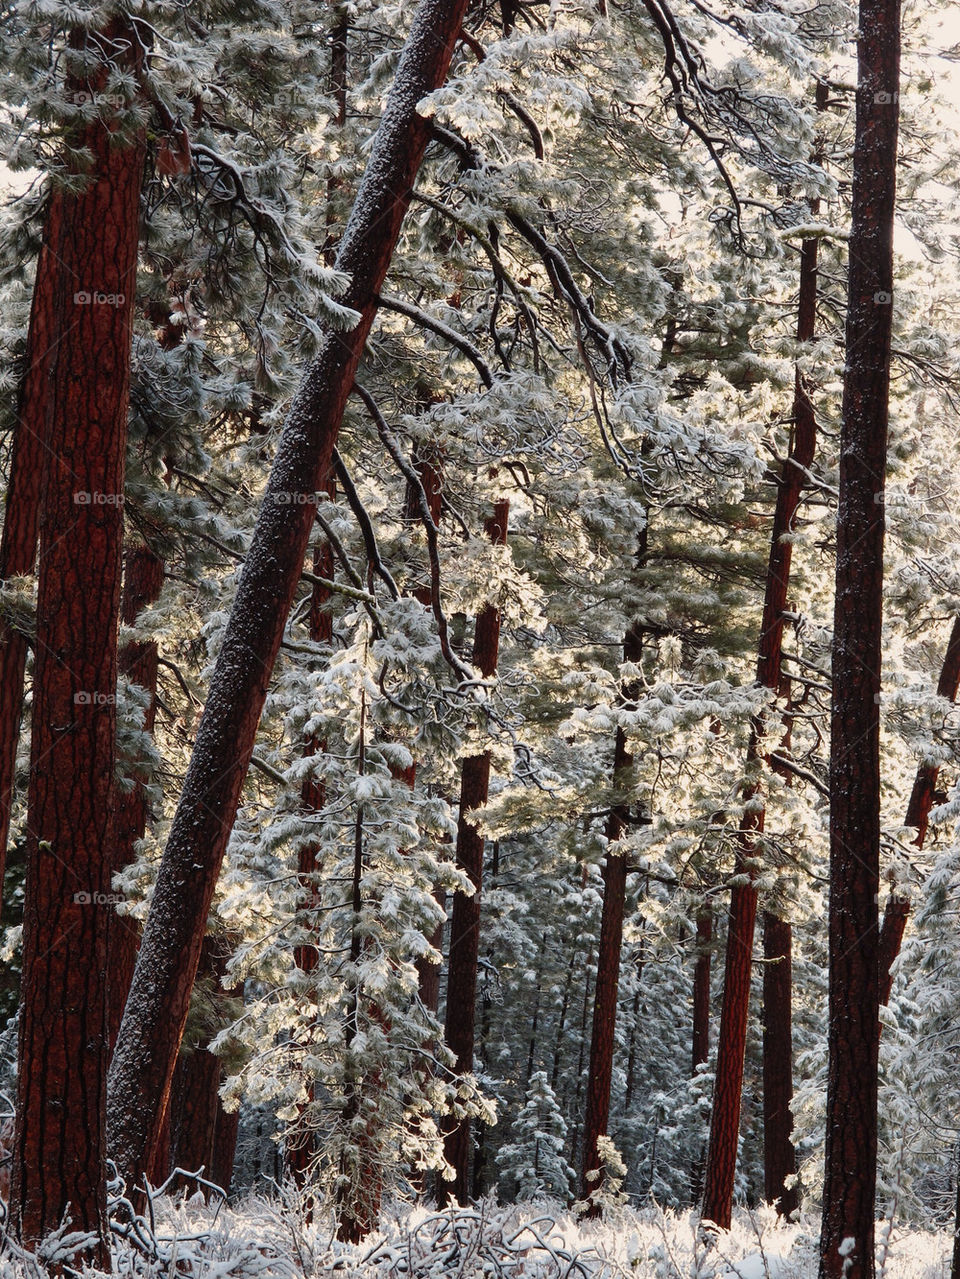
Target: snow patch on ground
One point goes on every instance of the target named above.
(260, 1238)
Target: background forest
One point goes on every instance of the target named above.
(549, 720)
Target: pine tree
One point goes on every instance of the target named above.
(846, 1245)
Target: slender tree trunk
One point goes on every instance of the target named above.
(847, 1237)
(18, 544)
(725, 1115)
(152, 1027)
(600, 1073)
(701, 989)
(897, 910)
(465, 924)
(780, 1159)
(635, 1027)
(58, 1158)
(224, 1148)
(302, 1148)
(701, 1026)
(562, 1021)
(138, 661)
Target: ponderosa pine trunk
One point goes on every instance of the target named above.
(849, 1191)
(779, 1154)
(464, 951)
(194, 1106)
(18, 543)
(313, 797)
(156, 1010)
(59, 1151)
(897, 910)
(731, 1047)
(224, 1148)
(603, 1035)
(701, 1024)
(139, 663)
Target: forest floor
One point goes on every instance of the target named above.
(260, 1238)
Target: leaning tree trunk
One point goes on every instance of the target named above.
(18, 544)
(600, 1070)
(156, 1010)
(725, 1115)
(849, 1191)
(465, 923)
(59, 1155)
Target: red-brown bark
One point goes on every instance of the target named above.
(849, 1191)
(58, 1159)
(600, 1071)
(224, 1148)
(139, 662)
(150, 1034)
(462, 960)
(18, 543)
(897, 910)
(725, 1115)
(194, 1106)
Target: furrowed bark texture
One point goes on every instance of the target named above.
(153, 1022)
(194, 1105)
(897, 910)
(18, 544)
(600, 1073)
(138, 661)
(847, 1232)
(58, 1159)
(462, 960)
(725, 1115)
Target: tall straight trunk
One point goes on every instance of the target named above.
(731, 1047)
(160, 993)
(701, 989)
(301, 1150)
(18, 543)
(58, 1158)
(224, 1148)
(465, 923)
(194, 1105)
(701, 1026)
(779, 1155)
(897, 910)
(600, 1070)
(139, 662)
(849, 1191)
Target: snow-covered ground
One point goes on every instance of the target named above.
(537, 1240)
